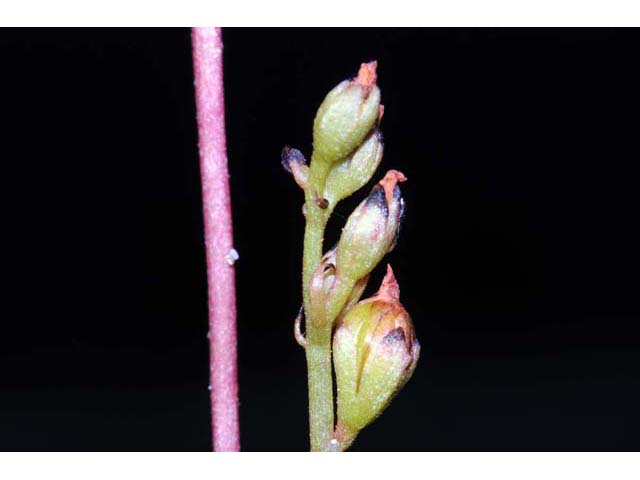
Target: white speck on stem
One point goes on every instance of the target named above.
(232, 256)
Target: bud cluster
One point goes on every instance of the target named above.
(374, 345)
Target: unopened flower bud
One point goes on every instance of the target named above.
(346, 115)
(375, 352)
(356, 170)
(294, 162)
(371, 230)
(323, 282)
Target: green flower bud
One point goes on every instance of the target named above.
(375, 352)
(353, 173)
(371, 230)
(346, 116)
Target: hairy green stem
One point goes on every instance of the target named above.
(318, 349)
(320, 381)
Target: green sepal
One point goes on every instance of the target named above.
(354, 172)
(343, 120)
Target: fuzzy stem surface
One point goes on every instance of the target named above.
(318, 349)
(218, 232)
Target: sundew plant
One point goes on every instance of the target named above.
(371, 342)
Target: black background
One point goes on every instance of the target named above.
(518, 259)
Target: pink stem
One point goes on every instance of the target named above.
(218, 233)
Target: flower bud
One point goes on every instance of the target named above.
(354, 172)
(322, 286)
(375, 352)
(346, 115)
(371, 230)
(294, 162)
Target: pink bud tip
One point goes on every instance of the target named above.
(367, 75)
(389, 182)
(389, 287)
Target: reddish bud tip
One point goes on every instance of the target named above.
(389, 182)
(367, 75)
(389, 288)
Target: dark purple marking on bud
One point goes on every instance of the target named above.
(399, 227)
(395, 335)
(380, 138)
(377, 199)
(290, 155)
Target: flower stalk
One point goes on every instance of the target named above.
(347, 149)
(216, 200)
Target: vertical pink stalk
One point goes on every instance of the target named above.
(218, 232)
